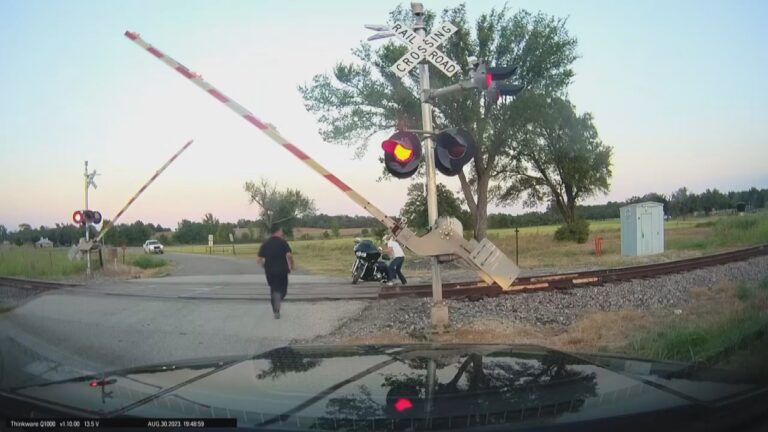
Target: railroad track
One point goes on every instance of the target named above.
(575, 279)
(33, 283)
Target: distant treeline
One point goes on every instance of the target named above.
(680, 203)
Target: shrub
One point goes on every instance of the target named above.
(379, 232)
(364, 232)
(577, 231)
(146, 262)
(326, 235)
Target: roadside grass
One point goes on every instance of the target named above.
(49, 263)
(705, 335)
(695, 342)
(148, 262)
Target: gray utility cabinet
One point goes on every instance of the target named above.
(642, 229)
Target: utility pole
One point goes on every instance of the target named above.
(87, 225)
(439, 311)
(88, 177)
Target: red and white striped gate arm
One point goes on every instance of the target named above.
(112, 222)
(268, 129)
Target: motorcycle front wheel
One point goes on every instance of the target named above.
(355, 277)
(356, 274)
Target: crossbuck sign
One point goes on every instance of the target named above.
(425, 47)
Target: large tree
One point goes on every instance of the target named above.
(279, 207)
(414, 211)
(359, 99)
(556, 158)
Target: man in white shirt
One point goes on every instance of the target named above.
(395, 251)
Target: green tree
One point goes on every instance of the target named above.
(414, 211)
(335, 229)
(713, 199)
(3, 233)
(208, 219)
(678, 202)
(223, 231)
(279, 207)
(557, 157)
(358, 100)
(188, 232)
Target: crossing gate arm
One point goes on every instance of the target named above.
(431, 244)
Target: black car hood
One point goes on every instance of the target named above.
(344, 387)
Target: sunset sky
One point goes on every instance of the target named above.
(679, 89)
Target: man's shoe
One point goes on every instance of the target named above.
(277, 315)
(390, 283)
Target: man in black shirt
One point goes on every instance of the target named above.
(275, 256)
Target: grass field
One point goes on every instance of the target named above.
(53, 263)
(538, 249)
(50, 263)
(327, 257)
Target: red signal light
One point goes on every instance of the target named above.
(77, 217)
(488, 80)
(93, 383)
(401, 153)
(403, 404)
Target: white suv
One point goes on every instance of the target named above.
(153, 246)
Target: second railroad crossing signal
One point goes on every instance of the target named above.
(82, 217)
(454, 148)
(491, 81)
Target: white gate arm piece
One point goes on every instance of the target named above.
(483, 257)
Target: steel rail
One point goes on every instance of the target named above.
(576, 279)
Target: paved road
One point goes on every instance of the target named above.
(198, 276)
(64, 334)
(188, 264)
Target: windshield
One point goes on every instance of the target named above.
(528, 184)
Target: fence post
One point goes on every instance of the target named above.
(517, 247)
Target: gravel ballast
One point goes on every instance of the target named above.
(411, 316)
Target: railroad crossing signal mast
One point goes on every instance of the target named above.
(454, 147)
(89, 181)
(445, 240)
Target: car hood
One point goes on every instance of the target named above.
(331, 386)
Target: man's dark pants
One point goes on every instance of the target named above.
(278, 287)
(394, 269)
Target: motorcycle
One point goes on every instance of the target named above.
(367, 266)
